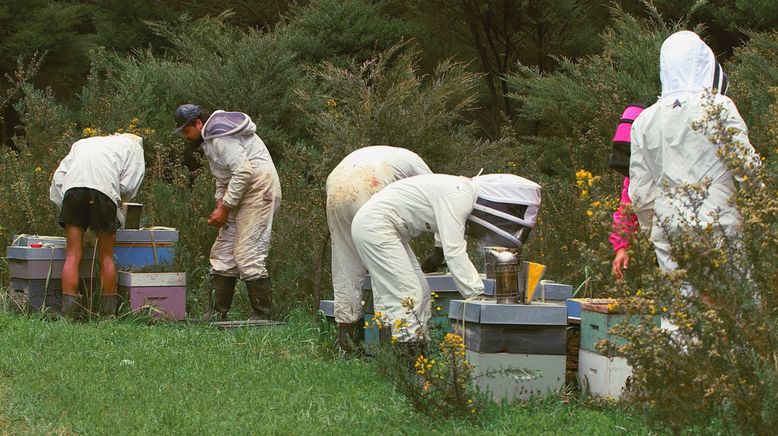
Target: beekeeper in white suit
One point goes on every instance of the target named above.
(667, 152)
(248, 193)
(353, 181)
(498, 209)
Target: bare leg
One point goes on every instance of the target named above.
(75, 248)
(105, 243)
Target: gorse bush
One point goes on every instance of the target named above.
(430, 369)
(722, 363)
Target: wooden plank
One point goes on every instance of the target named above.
(226, 325)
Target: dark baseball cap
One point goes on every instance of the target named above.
(185, 114)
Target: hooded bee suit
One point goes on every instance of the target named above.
(667, 152)
(498, 209)
(247, 183)
(356, 178)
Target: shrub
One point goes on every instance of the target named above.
(722, 360)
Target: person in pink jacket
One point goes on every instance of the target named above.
(624, 224)
(624, 221)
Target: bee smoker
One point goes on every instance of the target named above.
(506, 275)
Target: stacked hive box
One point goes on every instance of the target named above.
(603, 374)
(139, 248)
(163, 293)
(35, 268)
(500, 338)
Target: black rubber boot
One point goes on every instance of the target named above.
(108, 306)
(223, 291)
(71, 306)
(349, 340)
(260, 297)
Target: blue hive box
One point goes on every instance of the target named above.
(144, 247)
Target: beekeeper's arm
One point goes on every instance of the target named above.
(57, 182)
(232, 155)
(642, 185)
(132, 173)
(451, 211)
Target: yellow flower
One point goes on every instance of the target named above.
(38, 169)
(589, 212)
(331, 103)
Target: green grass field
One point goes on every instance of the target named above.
(129, 377)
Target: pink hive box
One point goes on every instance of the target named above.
(166, 292)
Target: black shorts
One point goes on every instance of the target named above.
(88, 208)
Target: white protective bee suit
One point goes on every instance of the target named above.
(113, 165)
(442, 204)
(353, 181)
(667, 152)
(247, 183)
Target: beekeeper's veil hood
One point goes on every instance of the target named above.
(223, 123)
(687, 65)
(505, 211)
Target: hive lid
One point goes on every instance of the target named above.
(489, 312)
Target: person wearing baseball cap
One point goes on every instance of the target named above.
(248, 193)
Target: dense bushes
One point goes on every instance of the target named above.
(314, 103)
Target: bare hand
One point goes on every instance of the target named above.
(620, 263)
(219, 215)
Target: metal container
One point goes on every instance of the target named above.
(490, 254)
(506, 275)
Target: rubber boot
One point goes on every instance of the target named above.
(71, 306)
(348, 339)
(223, 291)
(108, 306)
(260, 298)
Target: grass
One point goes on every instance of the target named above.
(128, 377)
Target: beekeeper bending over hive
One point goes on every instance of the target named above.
(497, 209)
(88, 186)
(356, 178)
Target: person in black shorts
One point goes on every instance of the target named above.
(88, 187)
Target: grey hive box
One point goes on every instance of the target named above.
(545, 374)
(25, 262)
(501, 337)
(552, 291)
(488, 327)
(34, 295)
